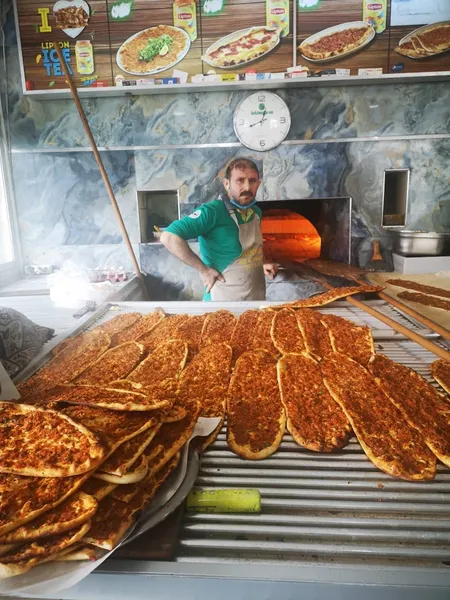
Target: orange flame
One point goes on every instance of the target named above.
(288, 235)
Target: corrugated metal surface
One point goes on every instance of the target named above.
(336, 506)
(317, 507)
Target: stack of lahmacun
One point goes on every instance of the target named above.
(101, 426)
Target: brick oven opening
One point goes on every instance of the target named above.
(288, 235)
(297, 230)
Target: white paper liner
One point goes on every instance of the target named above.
(8, 390)
(56, 576)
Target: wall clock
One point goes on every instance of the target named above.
(262, 121)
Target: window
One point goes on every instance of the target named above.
(9, 263)
(6, 244)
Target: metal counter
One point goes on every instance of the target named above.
(331, 525)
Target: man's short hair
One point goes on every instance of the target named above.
(240, 163)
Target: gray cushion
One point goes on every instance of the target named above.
(20, 340)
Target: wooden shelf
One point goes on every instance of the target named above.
(226, 86)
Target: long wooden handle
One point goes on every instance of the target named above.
(102, 169)
(445, 333)
(412, 335)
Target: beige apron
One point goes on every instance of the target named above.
(244, 278)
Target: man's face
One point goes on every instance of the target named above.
(242, 185)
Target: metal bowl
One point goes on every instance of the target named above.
(421, 243)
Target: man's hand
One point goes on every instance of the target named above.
(270, 270)
(209, 277)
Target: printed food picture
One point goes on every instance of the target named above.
(80, 28)
(262, 41)
(153, 50)
(161, 45)
(421, 31)
(352, 35)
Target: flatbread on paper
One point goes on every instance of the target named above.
(45, 443)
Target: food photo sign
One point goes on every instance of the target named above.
(420, 36)
(147, 42)
(158, 38)
(241, 36)
(81, 30)
(352, 35)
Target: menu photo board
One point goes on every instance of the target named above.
(155, 38)
(239, 36)
(352, 35)
(420, 36)
(81, 30)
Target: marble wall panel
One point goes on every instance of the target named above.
(61, 199)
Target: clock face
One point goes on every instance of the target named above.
(262, 121)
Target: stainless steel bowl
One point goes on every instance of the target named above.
(421, 243)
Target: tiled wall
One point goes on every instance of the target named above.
(342, 144)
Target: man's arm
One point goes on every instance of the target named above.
(180, 249)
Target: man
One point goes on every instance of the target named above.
(232, 265)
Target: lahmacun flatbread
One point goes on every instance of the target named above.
(113, 427)
(115, 363)
(176, 413)
(388, 440)
(117, 399)
(314, 419)
(419, 287)
(127, 453)
(314, 332)
(242, 338)
(79, 552)
(72, 361)
(190, 332)
(111, 327)
(336, 43)
(136, 472)
(165, 362)
(206, 380)
(426, 41)
(110, 523)
(171, 438)
(29, 555)
(440, 370)
(143, 325)
(120, 322)
(350, 339)
(330, 296)
(23, 499)
(218, 327)
(255, 414)
(70, 514)
(7, 548)
(163, 332)
(285, 332)
(67, 365)
(44, 443)
(97, 488)
(423, 407)
(150, 485)
(262, 338)
(425, 299)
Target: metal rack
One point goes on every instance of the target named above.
(324, 516)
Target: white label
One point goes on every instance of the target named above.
(195, 214)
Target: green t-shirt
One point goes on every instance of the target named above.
(217, 233)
